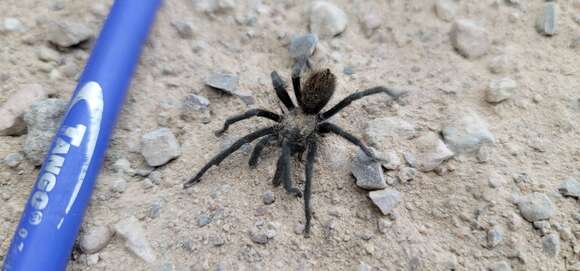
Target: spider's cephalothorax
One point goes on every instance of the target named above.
(296, 130)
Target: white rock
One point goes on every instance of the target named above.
(184, 29)
(95, 239)
(13, 25)
(382, 131)
(466, 132)
(386, 199)
(536, 206)
(431, 152)
(500, 64)
(501, 266)
(547, 23)
(42, 120)
(494, 236)
(551, 245)
(446, 9)
(215, 6)
(390, 160)
(131, 230)
(570, 188)
(500, 90)
(159, 147)
(48, 54)
(67, 34)
(12, 111)
(469, 39)
(119, 185)
(326, 19)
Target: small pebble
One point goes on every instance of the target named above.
(536, 206)
(17, 104)
(494, 236)
(67, 34)
(368, 173)
(268, 197)
(370, 23)
(42, 120)
(184, 29)
(95, 239)
(431, 152)
(500, 90)
(159, 147)
(131, 230)
(570, 188)
(466, 132)
(348, 71)
(326, 19)
(548, 21)
(223, 81)
(48, 54)
(446, 9)
(551, 245)
(302, 47)
(203, 219)
(407, 174)
(501, 266)
(469, 39)
(499, 64)
(13, 159)
(119, 185)
(13, 25)
(386, 199)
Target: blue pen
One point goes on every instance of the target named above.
(54, 211)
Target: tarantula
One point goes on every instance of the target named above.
(296, 130)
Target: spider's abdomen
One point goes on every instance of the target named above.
(318, 90)
(296, 127)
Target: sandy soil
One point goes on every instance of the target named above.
(443, 219)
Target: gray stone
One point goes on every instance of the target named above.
(132, 232)
(548, 21)
(466, 132)
(495, 180)
(268, 197)
(500, 64)
(446, 9)
(228, 83)
(215, 6)
(303, 46)
(370, 23)
(95, 239)
(384, 225)
(390, 160)
(386, 199)
(326, 19)
(67, 34)
(92, 259)
(12, 111)
(42, 120)
(184, 29)
(501, 266)
(494, 236)
(119, 185)
(203, 220)
(13, 159)
(48, 54)
(500, 90)
(382, 131)
(194, 106)
(363, 267)
(570, 188)
(13, 25)
(536, 206)
(368, 173)
(122, 165)
(543, 226)
(431, 152)
(407, 174)
(469, 39)
(155, 209)
(263, 233)
(159, 147)
(551, 245)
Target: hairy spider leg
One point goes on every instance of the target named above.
(246, 115)
(358, 95)
(225, 153)
(309, 169)
(258, 150)
(281, 92)
(327, 127)
(296, 73)
(285, 171)
(276, 180)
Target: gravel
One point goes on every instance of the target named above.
(159, 147)
(446, 10)
(42, 120)
(407, 174)
(501, 266)
(263, 232)
(193, 106)
(119, 185)
(302, 47)
(466, 132)
(386, 199)
(12, 111)
(368, 173)
(268, 197)
(203, 220)
(184, 29)
(551, 245)
(494, 236)
(370, 23)
(548, 21)
(431, 152)
(224, 82)
(13, 159)
(131, 230)
(500, 64)
(381, 131)
(570, 188)
(500, 90)
(536, 206)
(95, 239)
(326, 19)
(469, 39)
(48, 54)
(12, 25)
(67, 34)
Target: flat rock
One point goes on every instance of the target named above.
(95, 239)
(228, 83)
(12, 111)
(12, 25)
(368, 173)
(302, 47)
(66, 34)
(132, 232)
(184, 29)
(446, 9)
(551, 245)
(159, 147)
(536, 206)
(215, 6)
(570, 188)
(500, 90)
(466, 132)
(326, 19)
(501, 266)
(386, 199)
(42, 120)
(13, 159)
(494, 236)
(195, 106)
(382, 131)
(469, 39)
(548, 21)
(431, 152)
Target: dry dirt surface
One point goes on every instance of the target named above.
(485, 70)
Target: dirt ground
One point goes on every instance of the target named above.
(443, 219)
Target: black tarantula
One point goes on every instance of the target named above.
(296, 130)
